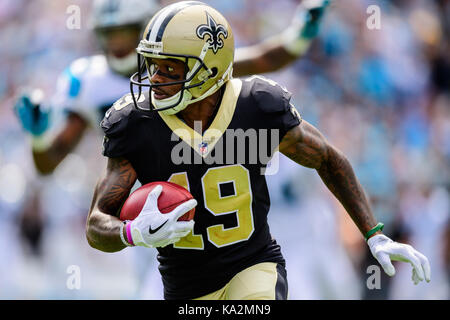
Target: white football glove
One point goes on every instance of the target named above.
(385, 250)
(153, 229)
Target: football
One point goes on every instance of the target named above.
(171, 196)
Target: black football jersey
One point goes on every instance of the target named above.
(223, 168)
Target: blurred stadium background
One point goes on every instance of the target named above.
(381, 96)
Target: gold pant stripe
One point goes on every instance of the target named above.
(257, 282)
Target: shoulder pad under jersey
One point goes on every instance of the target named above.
(119, 115)
(269, 95)
(120, 125)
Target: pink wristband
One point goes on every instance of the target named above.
(129, 238)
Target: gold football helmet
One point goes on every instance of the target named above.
(196, 34)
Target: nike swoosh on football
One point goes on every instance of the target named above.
(152, 231)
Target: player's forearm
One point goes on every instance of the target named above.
(103, 224)
(46, 161)
(103, 232)
(268, 56)
(338, 175)
(102, 227)
(307, 146)
(48, 155)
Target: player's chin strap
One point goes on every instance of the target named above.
(187, 96)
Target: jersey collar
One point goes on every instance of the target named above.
(204, 144)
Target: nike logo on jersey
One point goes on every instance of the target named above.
(152, 231)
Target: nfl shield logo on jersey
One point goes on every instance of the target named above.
(203, 147)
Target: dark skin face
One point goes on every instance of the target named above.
(169, 70)
(119, 42)
(164, 71)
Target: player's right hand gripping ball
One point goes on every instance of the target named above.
(161, 213)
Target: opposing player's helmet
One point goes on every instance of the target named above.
(120, 14)
(196, 34)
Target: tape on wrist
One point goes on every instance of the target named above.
(41, 143)
(122, 236)
(369, 233)
(129, 237)
(293, 43)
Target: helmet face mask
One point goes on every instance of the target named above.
(173, 33)
(142, 78)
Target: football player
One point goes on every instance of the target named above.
(219, 126)
(89, 86)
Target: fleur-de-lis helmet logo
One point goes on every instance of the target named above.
(214, 31)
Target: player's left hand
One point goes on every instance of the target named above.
(386, 250)
(304, 26)
(308, 16)
(35, 119)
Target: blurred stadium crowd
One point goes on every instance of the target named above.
(381, 96)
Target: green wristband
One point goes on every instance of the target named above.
(379, 226)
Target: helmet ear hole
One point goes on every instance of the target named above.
(214, 72)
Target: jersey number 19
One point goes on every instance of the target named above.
(239, 203)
